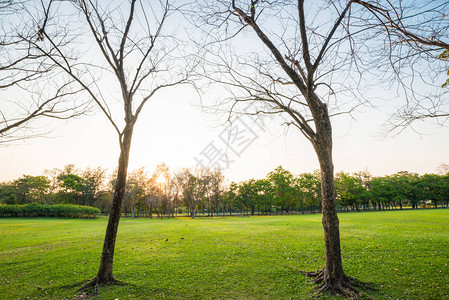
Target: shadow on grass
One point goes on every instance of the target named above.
(91, 287)
(52, 290)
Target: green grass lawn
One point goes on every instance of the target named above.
(402, 254)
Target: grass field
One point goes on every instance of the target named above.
(402, 254)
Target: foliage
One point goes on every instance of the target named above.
(80, 187)
(282, 188)
(66, 186)
(192, 184)
(72, 187)
(350, 190)
(435, 188)
(226, 257)
(445, 56)
(135, 191)
(166, 194)
(309, 185)
(30, 189)
(39, 210)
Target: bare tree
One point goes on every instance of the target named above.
(27, 87)
(136, 188)
(443, 169)
(121, 48)
(414, 31)
(214, 179)
(152, 193)
(172, 194)
(308, 63)
(166, 188)
(192, 185)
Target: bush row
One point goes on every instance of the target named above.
(39, 210)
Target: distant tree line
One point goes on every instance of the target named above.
(66, 186)
(282, 192)
(203, 191)
(361, 191)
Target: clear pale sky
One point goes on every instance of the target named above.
(174, 130)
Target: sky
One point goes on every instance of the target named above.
(175, 130)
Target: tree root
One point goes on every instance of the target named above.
(347, 288)
(87, 287)
(91, 288)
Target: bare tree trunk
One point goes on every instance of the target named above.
(333, 270)
(332, 277)
(104, 275)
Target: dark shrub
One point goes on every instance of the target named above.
(39, 210)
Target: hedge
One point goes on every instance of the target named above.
(39, 210)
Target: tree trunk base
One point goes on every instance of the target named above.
(91, 288)
(348, 287)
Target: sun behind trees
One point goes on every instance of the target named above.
(280, 192)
